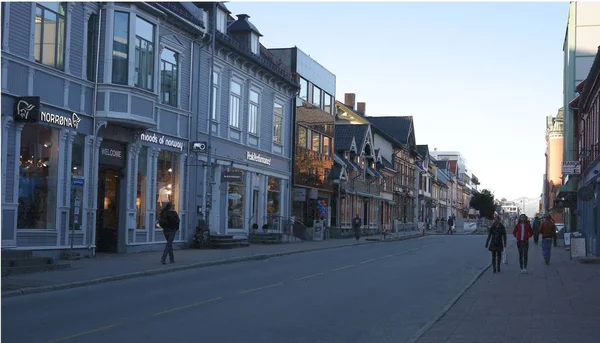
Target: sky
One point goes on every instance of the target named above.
(479, 78)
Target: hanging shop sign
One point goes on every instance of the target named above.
(162, 140)
(254, 157)
(27, 109)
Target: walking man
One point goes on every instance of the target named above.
(450, 225)
(536, 229)
(356, 226)
(169, 222)
(548, 231)
(522, 233)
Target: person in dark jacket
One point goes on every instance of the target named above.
(496, 242)
(536, 229)
(356, 226)
(169, 222)
(450, 224)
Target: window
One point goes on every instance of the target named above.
(327, 103)
(120, 60)
(144, 54)
(316, 100)
(169, 79)
(92, 44)
(235, 97)
(254, 43)
(221, 21)
(253, 113)
(38, 178)
(49, 40)
(167, 175)
(326, 145)
(235, 203)
(302, 135)
(273, 197)
(77, 163)
(316, 142)
(142, 184)
(215, 95)
(303, 89)
(277, 123)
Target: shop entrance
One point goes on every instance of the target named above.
(107, 217)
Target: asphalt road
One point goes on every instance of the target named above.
(369, 293)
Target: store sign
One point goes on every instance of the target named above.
(161, 140)
(56, 119)
(27, 109)
(232, 176)
(571, 168)
(299, 194)
(112, 153)
(254, 157)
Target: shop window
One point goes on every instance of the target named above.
(120, 59)
(169, 80)
(167, 175)
(142, 184)
(38, 178)
(253, 113)
(144, 54)
(278, 123)
(49, 38)
(77, 163)
(274, 196)
(236, 192)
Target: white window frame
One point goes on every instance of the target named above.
(221, 21)
(254, 43)
(214, 116)
(235, 118)
(281, 131)
(252, 104)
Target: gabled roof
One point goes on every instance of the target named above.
(387, 164)
(349, 132)
(374, 128)
(442, 164)
(242, 24)
(423, 150)
(398, 128)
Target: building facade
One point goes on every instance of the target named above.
(95, 123)
(313, 132)
(247, 107)
(553, 171)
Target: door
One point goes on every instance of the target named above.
(366, 213)
(255, 198)
(107, 217)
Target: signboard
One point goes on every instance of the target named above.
(577, 247)
(201, 147)
(112, 153)
(318, 230)
(571, 168)
(299, 194)
(27, 109)
(161, 140)
(57, 119)
(232, 176)
(254, 157)
(78, 181)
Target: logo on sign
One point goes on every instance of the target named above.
(26, 109)
(199, 146)
(23, 109)
(61, 120)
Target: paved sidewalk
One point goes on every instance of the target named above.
(559, 303)
(112, 267)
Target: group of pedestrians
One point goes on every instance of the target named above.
(496, 240)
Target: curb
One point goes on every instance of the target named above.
(448, 306)
(44, 289)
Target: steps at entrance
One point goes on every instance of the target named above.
(23, 262)
(266, 238)
(227, 242)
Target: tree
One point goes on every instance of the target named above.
(484, 203)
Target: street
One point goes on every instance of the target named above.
(370, 293)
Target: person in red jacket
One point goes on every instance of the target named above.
(522, 233)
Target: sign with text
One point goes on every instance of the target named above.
(232, 176)
(162, 140)
(254, 157)
(27, 109)
(571, 168)
(112, 153)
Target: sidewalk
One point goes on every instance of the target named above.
(108, 267)
(556, 303)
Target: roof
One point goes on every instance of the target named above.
(180, 10)
(387, 163)
(347, 163)
(396, 127)
(442, 164)
(374, 128)
(593, 79)
(423, 150)
(344, 134)
(242, 24)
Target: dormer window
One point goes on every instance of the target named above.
(221, 21)
(254, 43)
(347, 155)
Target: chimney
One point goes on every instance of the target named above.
(350, 100)
(360, 108)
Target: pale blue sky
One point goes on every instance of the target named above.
(477, 77)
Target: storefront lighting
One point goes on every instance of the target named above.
(169, 192)
(170, 170)
(47, 144)
(75, 168)
(169, 186)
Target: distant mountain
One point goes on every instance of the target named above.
(529, 205)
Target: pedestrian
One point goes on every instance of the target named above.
(450, 225)
(536, 229)
(169, 222)
(548, 231)
(522, 233)
(496, 242)
(356, 226)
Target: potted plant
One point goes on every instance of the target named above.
(254, 226)
(265, 227)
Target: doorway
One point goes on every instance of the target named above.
(107, 218)
(254, 207)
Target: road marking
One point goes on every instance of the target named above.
(308, 276)
(261, 288)
(342, 268)
(187, 306)
(390, 255)
(367, 261)
(84, 333)
(411, 250)
(402, 252)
